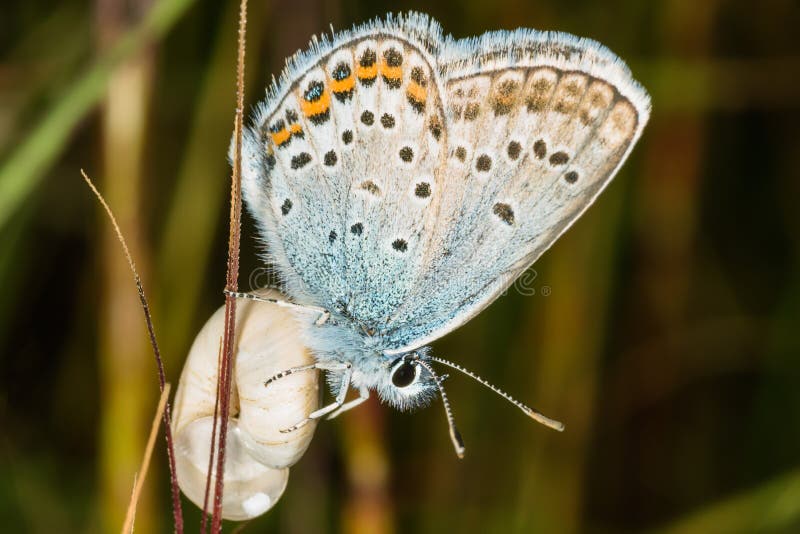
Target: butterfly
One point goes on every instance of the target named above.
(402, 180)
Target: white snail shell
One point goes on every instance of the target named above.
(258, 455)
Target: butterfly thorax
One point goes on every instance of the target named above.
(343, 340)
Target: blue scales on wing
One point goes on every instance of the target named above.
(405, 179)
(537, 125)
(340, 168)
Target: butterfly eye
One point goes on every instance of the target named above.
(404, 375)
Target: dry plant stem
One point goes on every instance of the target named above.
(148, 453)
(177, 512)
(223, 397)
(204, 520)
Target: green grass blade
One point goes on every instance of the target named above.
(26, 166)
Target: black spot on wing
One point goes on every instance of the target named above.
(400, 245)
(540, 149)
(387, 121)
(504, 212)
(559, 158)
(301, 160)
(484, 163)
(422, 190)
(406, 154)
(330, 158)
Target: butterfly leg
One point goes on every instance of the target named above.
(309, 367)
(336, 404)
(323, 313)
(363, 394)
(289, 372)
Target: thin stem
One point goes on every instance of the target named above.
(204, 520)
(232, 277)
(148, 453)
(177, 511)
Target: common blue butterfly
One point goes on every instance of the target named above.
(403, 179)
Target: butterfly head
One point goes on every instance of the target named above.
(414, 383)
(407, 382)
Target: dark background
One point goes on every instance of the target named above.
(663, 330)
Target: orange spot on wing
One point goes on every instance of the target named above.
(393, 73)
(280, 137)
(296, 128)
(319, 106)
(416, 91)
(340, 86)
(367, 73)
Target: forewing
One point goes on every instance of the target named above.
(537, 125)
(340, 168)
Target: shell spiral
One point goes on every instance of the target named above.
(258, 455)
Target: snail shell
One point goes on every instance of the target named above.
(258, 455)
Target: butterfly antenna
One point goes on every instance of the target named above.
(530, 412)
(455, 435)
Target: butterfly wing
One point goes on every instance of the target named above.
(340, 167)
(537, 125)
(405, 180)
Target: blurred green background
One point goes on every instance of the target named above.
(663, 330)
